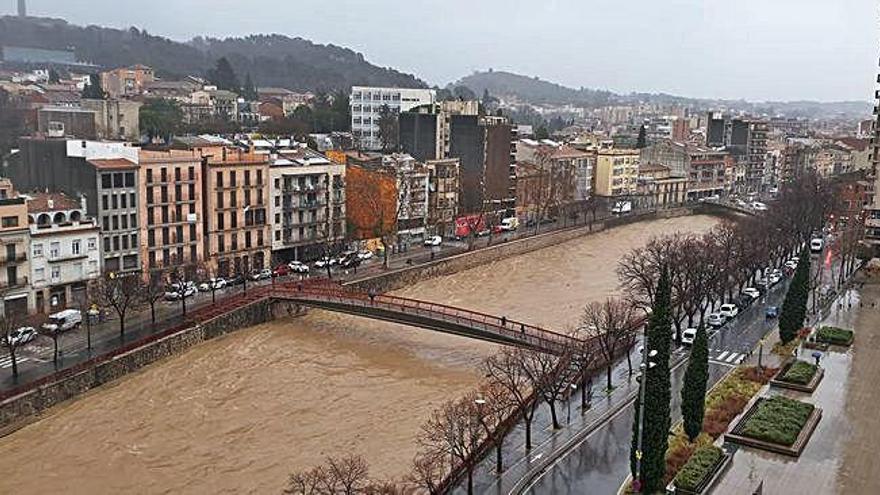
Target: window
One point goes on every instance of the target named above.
(122, 201)
(192, 192)
(164, 214)
(247, 197)
(151, 237)
(233, 220)
(107, 243)
(115, 222)
(193, 257)
(234, 242)
(220, 221)
(220, 179)
(131, 200)
(164, 193)
(178, 192)
(125, 242)
(105, 201)
(192, 173)
(149, 196)
(124, 221)
(221, 244)
(165, 235)
(277, 183)
(177, 173)
(164, 174)
(260, 238)
(219, 199)
(93, 266)
(247, 178)
(54, 249)
(192, 232)
(178, 213)
(149, 176)
(232, 178)
(232, 199)
(39, 274)
(56, 272)
(152, 259)
(76, 247)
(133, 220)
(115, 201)
(134, 240)
(129, 179)
(179, 234)
(118, 180)
(247, 239)
(9, 222)
(12, 275)
(38, 250)
(106, 181)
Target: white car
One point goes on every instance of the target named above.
(263, 274)
(323, 262)
(775, 277)
(758, 206)
(365, 255)
(212, 284)
(433, 241)
(816, 245)
(762, 281)
(752, 292)
(179, 290)
(715, 320)
(22, 335)
(688, 335)
(298, 267)
(728, 310)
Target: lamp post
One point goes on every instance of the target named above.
(644, 367)
(571, 388)
(760, 353)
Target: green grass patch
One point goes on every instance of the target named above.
(698, 467)
(800, 372)
(778, 420)
(834, 336)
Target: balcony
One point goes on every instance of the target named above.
(18, 283)
(18, 258)
(68, 257)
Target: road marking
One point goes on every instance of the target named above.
(722, 355)
(6, 361)
(734, 357)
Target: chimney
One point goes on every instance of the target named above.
(22, 8)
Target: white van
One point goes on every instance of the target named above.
(816, 245)
(509, 224)
(63, 320)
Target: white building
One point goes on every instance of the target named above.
(366, 105)
(413, 183)
(65, 253)
(307, 208)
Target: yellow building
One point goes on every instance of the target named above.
(617, 172)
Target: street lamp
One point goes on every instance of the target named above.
(571, 388)
(643, 367)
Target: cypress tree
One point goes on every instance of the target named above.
(658, 393)
(642, 139)
(693, 392)
(794, 307)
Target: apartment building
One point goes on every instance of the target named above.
(171, 208)
(616, 172)
(443, 193)
(746, 139)
(15, 237)
(412, 196)
(366, 107)
(235, 191)
(118, 191)
(126, 81)
(65, 251)
(659, 187)
(307, 205)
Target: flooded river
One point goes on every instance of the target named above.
(238, 414)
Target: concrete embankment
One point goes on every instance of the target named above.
(26, 406)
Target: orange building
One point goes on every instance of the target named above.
(126, 81)
(371, 202)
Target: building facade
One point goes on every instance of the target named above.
(443, 194)
(126, 81)
(14, 276)
(616, 172)
(118, 189)
(366, 107)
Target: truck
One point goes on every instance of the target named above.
(465, 224)
(509, 224)
(63, 320)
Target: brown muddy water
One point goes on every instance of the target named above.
(239, 413)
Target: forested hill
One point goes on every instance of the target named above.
(272, 60)
(532, 89)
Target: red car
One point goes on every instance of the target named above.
(281, 271)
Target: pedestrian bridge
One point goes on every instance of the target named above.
(432, 316)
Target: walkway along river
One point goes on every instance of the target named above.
(238, 414)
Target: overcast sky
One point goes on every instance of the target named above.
(753, 49)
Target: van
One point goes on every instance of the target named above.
(509, 224)
(63, 320)
(816, 245)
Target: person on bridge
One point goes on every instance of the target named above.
(503, 321)
(372, 295)
(522, 327)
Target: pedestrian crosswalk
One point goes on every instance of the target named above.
(6, 361)
(727, 357)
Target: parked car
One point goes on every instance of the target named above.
(715, 320)
(323, 262)
(281, 270)
(758, 206)
(509, 224)
(21, 336)
(771, 312)
(63, 320)
(762, 282)
(434, 240)
(739, 202)
(263, 274)
(728, 310)
(752, 293)
(365, 255)
(298, 267)
(688, 335)
(816, 245)
(350, 260)
(237, 279)
(212, 284)
(178, 290)
(709, 199)
(775, 277)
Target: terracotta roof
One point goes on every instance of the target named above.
(855, 143)
(112, 163)
(39, 202)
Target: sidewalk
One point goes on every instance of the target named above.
(817, 469)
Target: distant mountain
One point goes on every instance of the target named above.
(272, 60)
(537, 91)
(532, 89)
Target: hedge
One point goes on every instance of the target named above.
(778, 420)
(698, 467)
(800, 372)
(834, 336)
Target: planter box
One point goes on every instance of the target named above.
(852, 336)
(818, 346)
(794, 450)
(711, 479)
(809, 388)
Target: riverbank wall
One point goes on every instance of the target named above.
(36, 398)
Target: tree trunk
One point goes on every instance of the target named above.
(55, 353)
(499, 466)
(213, 294)
(470, 485)
(528, 420)
(153, 311)
(552, 404)
(608, 375)
(14, 361)
(121, 325)
(629, 363)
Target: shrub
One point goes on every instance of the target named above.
(800, 372)
(778, 420)
(698, 467)
(834, 336)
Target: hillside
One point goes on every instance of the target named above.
(272, 60)
(532, 89)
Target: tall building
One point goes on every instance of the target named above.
(616, 172)
(443, 193)
(872, 209)
(126, 81)
(746, 139)
(15, 290)
(171, 208)
(484, 146)
(307, 205)
(366, 107)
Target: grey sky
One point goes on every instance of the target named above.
(753, 49)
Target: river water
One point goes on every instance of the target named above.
(239, 413)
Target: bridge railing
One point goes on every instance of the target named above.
(509, 329)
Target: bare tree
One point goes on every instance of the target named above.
(8, 325)
(547, 374)
(153, 290)
(427, 472)
(308, 482)
(507, 371)
(610, 324)
(121, 292)
(495, 406)
(454, 430)
(347, 475)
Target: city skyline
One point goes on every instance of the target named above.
(746, 51)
